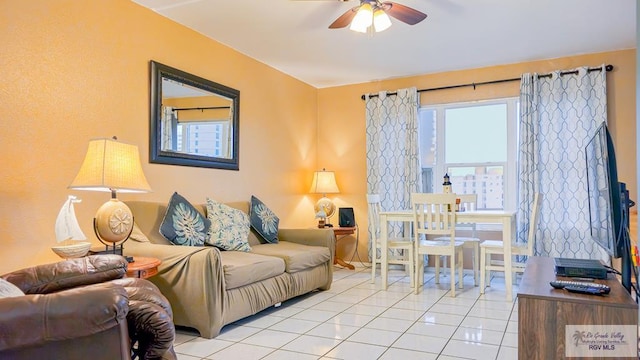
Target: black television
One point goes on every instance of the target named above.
(608, 201)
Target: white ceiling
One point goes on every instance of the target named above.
(293, 36)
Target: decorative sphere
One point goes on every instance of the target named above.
(326, 205)
(114, 221)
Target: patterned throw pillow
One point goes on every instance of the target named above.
(8, 290)
(263, 220)
(229, 227)
(183, 224)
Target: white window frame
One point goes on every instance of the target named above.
(510, 167)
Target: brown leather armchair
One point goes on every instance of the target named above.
(85, 309)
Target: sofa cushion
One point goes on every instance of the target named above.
(241, 268)
(137, 234)
(296, 257)
(229, 227)
(263, 220)
(183, 224)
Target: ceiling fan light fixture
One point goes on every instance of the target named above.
(363, 18)
(381, 21)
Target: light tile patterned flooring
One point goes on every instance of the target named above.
(357, 320)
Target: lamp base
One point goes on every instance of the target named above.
(113, 221)
(326, 206)
(113, 225)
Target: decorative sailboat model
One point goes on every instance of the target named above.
(68, 233)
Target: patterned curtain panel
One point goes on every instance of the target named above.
(393, 168)
(166, 122)
(558, 116)
(226, 136)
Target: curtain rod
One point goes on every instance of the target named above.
(201, 108)
(574, 72)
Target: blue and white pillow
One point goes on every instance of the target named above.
(183, 224)
(229, 227)
(263, 220)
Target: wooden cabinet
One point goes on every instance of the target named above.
(543, 312)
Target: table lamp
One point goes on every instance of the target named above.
(324, 182)
(112, 166)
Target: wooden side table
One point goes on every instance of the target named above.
(339, 233)
(143, 267)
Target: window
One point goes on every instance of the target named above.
(476, 144)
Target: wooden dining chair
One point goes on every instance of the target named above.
(403, 244)
(496, 247)
(468, 202)
(434, 216)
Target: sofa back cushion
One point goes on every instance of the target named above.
(148, 216)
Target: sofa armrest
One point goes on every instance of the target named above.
(32, 320)
(48, 278)
(192, 279)
(311, 237)
(170, 255)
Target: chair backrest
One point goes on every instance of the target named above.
(433, 214)
(533, 222)
(373, 207)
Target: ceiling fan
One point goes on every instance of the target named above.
(376, 13)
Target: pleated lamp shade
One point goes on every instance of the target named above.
(111, 165)
(324, 182)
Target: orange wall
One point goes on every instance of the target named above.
(342, 118)
(75, 70)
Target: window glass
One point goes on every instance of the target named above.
(468, 129)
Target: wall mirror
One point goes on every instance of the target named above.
(194, 121)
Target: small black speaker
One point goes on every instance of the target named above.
(346, 217)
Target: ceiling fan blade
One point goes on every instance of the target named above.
(344, 19)
(403, 13)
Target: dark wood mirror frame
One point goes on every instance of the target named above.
(156, 153)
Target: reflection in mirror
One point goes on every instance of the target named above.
(194, 121)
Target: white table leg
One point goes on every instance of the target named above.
(384, 233)
(508, 227)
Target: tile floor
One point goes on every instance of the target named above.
(357, 320)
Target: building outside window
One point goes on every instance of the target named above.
(202, 138)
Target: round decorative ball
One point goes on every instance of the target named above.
(114, 221)
(326, 205)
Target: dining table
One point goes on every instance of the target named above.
(504, 217)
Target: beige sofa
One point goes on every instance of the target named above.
(209, 288)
